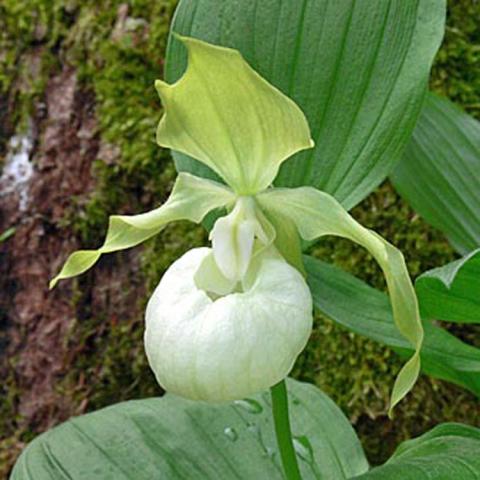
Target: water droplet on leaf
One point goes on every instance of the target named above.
(230, 433)
(303, 448)
(251, 406)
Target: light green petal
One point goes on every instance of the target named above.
(191, 199)
(287, 240)
(210, 278)
(224, 114)
(316, 214)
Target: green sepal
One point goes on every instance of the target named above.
(191, 199)
(224, 114)
(287, 240)
(317, 214)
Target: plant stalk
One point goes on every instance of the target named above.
(283, 431)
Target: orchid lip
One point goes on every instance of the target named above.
(216, 350)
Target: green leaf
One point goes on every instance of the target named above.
(452, 292)
(224, 114)
(449, 451)
(191, 199)
(174, 438)
(358, 69)
(317, 214)
(439, 172)
(364, 310)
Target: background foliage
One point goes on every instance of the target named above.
(117, 51)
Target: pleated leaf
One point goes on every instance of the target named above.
(452, 292)
(174, 438)
(439, 174)
(357, 68)
(449, 451)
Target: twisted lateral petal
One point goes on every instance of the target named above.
(224, 114)
(229, 348)
(316, 214)
(191, 199)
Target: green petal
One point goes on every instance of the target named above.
(226, 115)
(210, 278)
(316, 214)
(287, 240)
(191, 199)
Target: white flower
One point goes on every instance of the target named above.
(232, 346)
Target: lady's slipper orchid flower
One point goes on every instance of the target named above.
(227, 347)
(229, 321)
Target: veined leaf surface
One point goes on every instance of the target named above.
(452, 292)
(174, 438)
(439, 173)
(357, 68)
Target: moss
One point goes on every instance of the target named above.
(456, 73)
(120, 62)
(18, 22)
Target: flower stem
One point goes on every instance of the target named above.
(283, 432)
